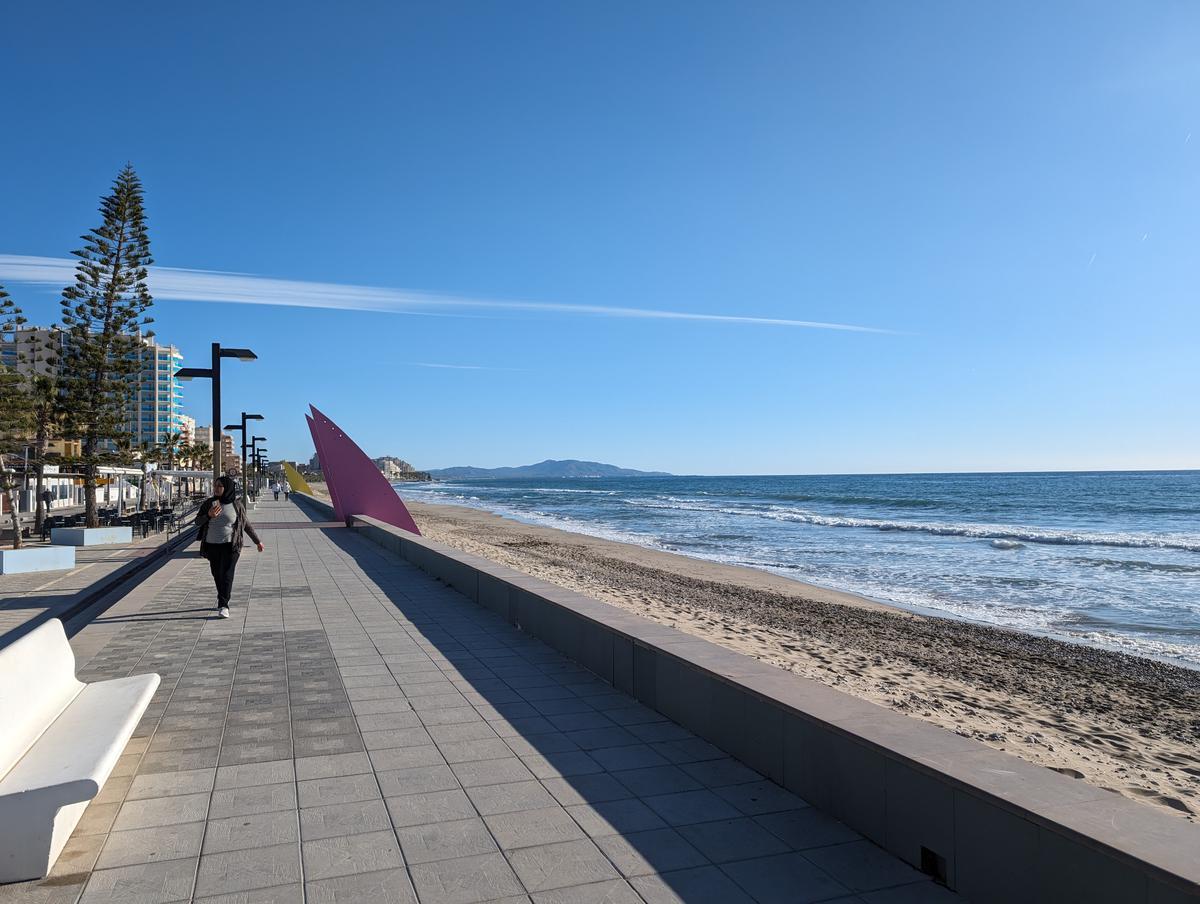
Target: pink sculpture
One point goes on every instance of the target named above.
(356, 486)
(326, 467)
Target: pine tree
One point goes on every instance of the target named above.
(14, 412)
(46, 409)
(103, 314)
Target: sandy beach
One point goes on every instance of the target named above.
(1127, 724)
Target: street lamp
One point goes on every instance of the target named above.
(260, 463)
(242, 428)
(254, 440)
(214, 373)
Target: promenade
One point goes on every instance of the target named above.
(359, 732)
(27, 599)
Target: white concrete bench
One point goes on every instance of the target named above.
(59, 740)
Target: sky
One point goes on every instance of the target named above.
(491, 233)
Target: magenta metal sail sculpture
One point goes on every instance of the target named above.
(356, 486)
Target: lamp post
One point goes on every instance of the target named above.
(242, 428)
(254, 440)
(262, 464)
(260, 461)
(214, 373)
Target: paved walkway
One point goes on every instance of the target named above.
(358, 732)
(25, 598)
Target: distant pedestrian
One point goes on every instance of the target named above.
(275, 490)
(287, 492)
(220, 524)
(46, 497)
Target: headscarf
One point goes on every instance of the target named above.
(228, 490)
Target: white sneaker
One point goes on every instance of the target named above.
(223, 612)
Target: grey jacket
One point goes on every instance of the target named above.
(241, 526)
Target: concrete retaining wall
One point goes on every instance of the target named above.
(993, 827)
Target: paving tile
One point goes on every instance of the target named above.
(450, 716)
(551, 866)
(398, 737)
(251, 734)
(507, 798)
(390, 886)
(419, 809)
(917, 893)
(77, 859)
(252, 830)
(179, 760)
(173, 842)
(347, 855)
(732, 839)
(405, 757)
(526, 828)
(466, 731)
(561, 764)
(325, 745)
(465, 880)
(718, 773)
(417, 780)
(784, 879)
(254, 752)
(482, 749)
(371, 707)
(584, 789)
(634, 756)
(615, 891)
(862, 866)
(656, 780)
(807, 828)
(613, 816)
(757, 798)
(251, 774)
(330, 765)
(388, 721)
(252, 799)
(343, 819)
(445, 840)
(645, 853)
(341, 789)
(685, 807)
(492, 772)
(161, 811)
(702, 885)
(148, 883)
(247, 869)
(164, 784)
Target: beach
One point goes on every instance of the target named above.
(1124, 723)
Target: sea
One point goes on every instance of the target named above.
(1104, 558)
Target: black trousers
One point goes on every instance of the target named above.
(222, 560)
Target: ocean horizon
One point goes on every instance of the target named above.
(1106, 558)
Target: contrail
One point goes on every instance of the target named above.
(179, 284)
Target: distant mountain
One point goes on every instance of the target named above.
(549, 468)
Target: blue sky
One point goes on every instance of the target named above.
(1008, 192)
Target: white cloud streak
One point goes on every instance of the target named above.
(459, 366)
(178, 284)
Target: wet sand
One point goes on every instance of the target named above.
(1120, 722)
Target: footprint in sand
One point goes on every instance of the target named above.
(1068, 771)
(1157, 797)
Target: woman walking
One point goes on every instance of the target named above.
(220, 524)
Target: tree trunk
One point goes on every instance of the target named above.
(39, 465)
(10, 490)
(91, 518)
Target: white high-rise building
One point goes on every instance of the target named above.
(155, 405)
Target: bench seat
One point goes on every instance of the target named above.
(66, 740)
